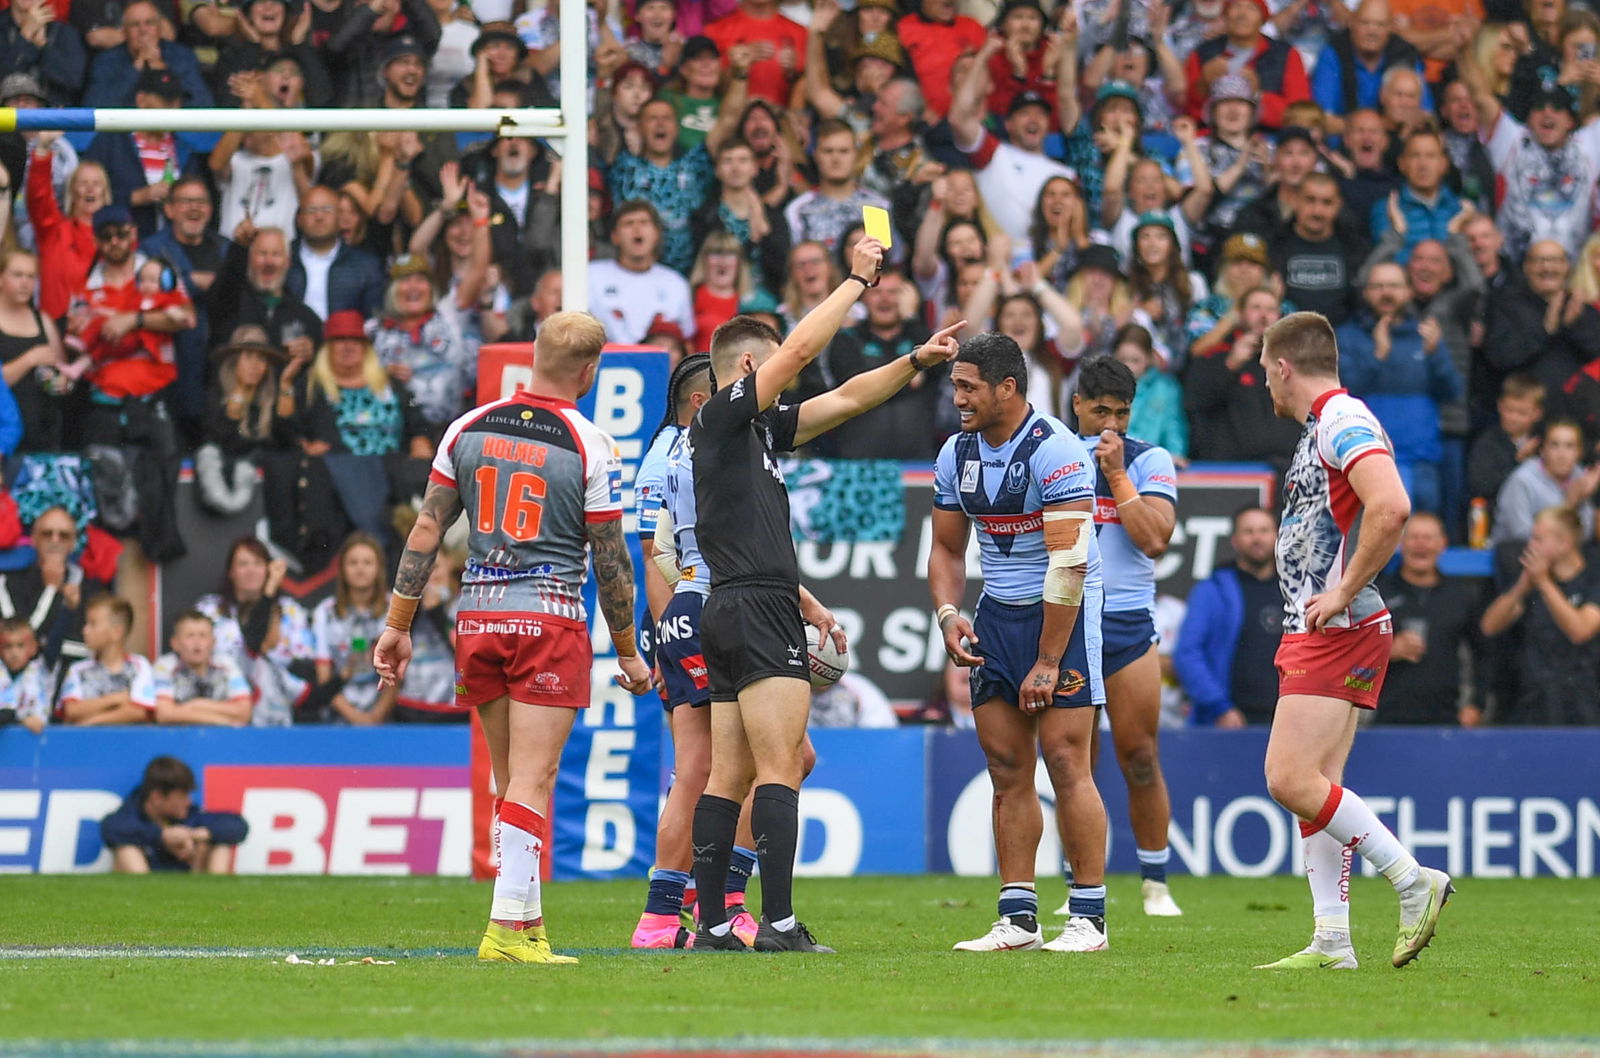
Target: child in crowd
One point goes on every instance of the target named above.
(1501, 448)
(345, 628)
(112, 686)
(192, 686)
(25, 683)
(141, 360)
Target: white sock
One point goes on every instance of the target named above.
(520, 837)
(784, 925)
(1328, 871)
(1348, 819)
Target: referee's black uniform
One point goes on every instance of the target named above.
(751, 627)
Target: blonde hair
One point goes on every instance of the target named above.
(72, 181)
(1585, 278)
(372, 372)
(723, 242)
(1121, 293)
(264, 400)
(358, 150)
(793, 300)
(567, 343)
(1484, 44)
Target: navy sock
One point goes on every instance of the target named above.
(666, 892)
(1020, 905)
(740, 868)
(1153, 865)
(775, 818)
(1087, 901)
(715, 820)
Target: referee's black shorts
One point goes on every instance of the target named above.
(749, 631)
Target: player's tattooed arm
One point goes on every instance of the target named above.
(441, 506)
(613, 574)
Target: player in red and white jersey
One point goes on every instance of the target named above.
(1343, 510)
(540, 486)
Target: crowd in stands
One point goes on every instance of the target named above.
(301, 314)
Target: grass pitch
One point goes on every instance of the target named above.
(1514, 961)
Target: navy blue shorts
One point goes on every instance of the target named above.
(1008, 642)
(683, 663)
(1126, 636)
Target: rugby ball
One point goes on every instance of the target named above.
(827, 661)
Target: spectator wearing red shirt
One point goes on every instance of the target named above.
(1028, 61)
(935, 39)
(1279, 75)
(779, 45)
(66, 240)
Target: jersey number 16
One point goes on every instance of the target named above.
(523, 510)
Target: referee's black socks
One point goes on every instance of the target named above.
(775, 822)
(716, 820)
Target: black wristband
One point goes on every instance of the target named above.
(866, 284)
(916, 365)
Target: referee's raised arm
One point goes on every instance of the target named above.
(813, 333)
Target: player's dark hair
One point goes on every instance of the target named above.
(166, 774)
(997, 358)
(185, 618)
(1106, 376)
(688, 369)
(120, 609)
(741, 334)
(1558, 423)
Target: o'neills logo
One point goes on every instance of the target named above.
(1011, 524)
(499, 626)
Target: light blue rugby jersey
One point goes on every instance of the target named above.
(1130, 573)
(649, 485)
(694, 574)
(1005, 491)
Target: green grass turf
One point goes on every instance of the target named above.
(1514, 960)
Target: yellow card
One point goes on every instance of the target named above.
(876, 222)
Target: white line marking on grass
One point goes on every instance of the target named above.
(75, 951)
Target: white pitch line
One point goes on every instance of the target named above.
(67, 951)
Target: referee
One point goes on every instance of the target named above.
(751, 628)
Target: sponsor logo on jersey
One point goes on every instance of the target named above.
(1011, 524)
(969, 476)
(549, 683)
(479, 572)
(499, 626)
(1352, 438)
(1361, 678)
(694, 666)
(1060, 472)
(1105, 511)
(676, 628)
(736, 390)
(1163, 479)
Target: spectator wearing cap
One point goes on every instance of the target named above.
(402, 68)
(1137, 186)
(1422, 207)
(1555, 60)
(1394, 359)
(144, 166)
(629, 292)
(524, 204)
(266, 37)
(1231, 417)
(698, 100)
(778, 46)
(250, 288)
(1293, 159)
(1027, 62)
(34, 43)
(372, 40)
(828, 213)
(672, 180)
(497, 54)
(420, 343)
(1320, 250)
(24, 91)
(934, 38)
(872, 63)
(1244, 265)
(1279, 76)
(241, 418)
(1350, 69)
(66, 240)
(1547, 168)
(1011, 172)
(1236, 156)
(1149, 64)
(325, 273)
(114, 74)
